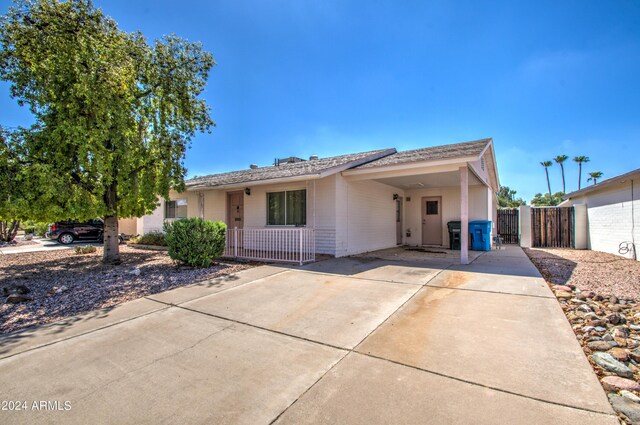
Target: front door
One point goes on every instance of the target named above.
(398, 222)
(432, 221)
(235, 210)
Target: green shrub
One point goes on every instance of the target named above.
(151, 238)
(37, 228)
(87, 249)
(194, 241)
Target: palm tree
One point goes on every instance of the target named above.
(580, 160)
(546, 165)
(559, 160)
(595, 175)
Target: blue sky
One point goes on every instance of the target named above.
(329, 77)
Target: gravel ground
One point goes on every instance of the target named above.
(602, 273)
(83, 283)
(599, 294)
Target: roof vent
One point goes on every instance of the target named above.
(253, 166)
(313, 157)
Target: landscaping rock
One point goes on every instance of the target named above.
(14, 289)
(607, 362)
(561, 288)
(620, 332)
(585, 308)
(635, 355)
(626, 407)
(615, 319)
(18, 298)
(613, 299)
(616, 383)
(621, 342)
(631, 396)
(619, 354)
(591, 316)
(135, 272)
(601, 345)
(564, 295)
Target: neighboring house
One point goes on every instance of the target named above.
(613, 214)
(352, 203)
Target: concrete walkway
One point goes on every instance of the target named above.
(363, 340)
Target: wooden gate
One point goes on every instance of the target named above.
(508, 225)
(552, 227)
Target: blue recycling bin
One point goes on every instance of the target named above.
(480, 231)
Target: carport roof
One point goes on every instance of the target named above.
(457, 150)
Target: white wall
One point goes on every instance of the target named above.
(152, 222)
(478, 209)
(365, 215)
(610, 215)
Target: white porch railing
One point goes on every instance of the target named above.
(295, 245)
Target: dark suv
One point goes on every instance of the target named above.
(67, 232)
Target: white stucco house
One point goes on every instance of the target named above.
(343, 205)
(613, 214)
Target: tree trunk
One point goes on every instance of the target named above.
(546, 170)
(8, 230)
(579, 174)
(564, 187)
(111, 251)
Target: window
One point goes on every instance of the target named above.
(287, 208)
(175, 209)
(432, 207)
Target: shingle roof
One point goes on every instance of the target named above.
(304, 168)
(456, 150)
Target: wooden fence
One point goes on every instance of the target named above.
(508, 225)
(552, 227)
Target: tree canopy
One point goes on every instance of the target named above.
(113, 114)
(540, 200)
(507, 198)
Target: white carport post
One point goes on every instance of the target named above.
(464, 215)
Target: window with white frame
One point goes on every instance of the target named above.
(288, 208)
(175, 209)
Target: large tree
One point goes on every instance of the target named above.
(114, 115)
(10, 189)
(559, 160)
(580, 160)
(546, 165)
(594, 175)
(507, 198)
(540, 200)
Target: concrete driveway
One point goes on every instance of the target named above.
(375, 339)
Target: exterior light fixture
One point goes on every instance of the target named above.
(395, 196)
(247, 190)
